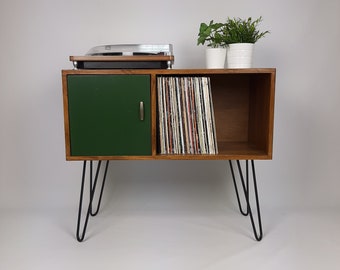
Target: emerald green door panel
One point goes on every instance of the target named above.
(104, 115)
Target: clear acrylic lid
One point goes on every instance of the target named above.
(132, 49)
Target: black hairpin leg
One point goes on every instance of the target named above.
(92, 190)
(245, 185)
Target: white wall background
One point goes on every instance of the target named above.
(38, 36)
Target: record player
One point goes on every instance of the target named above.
(126, 56)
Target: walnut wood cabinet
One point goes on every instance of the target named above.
(102, 110)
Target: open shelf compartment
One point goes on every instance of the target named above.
(243, 108)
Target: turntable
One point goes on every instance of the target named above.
(126, 56)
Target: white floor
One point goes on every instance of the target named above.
(169, 238)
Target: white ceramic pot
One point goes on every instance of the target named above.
(215, 57)
(240, 55)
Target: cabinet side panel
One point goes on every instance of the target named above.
(66, 116)
(261, 113)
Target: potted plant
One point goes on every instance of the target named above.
(214, 35)
(240, 37)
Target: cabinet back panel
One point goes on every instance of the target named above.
(230, 95)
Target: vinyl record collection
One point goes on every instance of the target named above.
(186, 116)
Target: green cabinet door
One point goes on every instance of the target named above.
(106, 115)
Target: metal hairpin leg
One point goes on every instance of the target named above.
(92, 190)
(245, 185)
